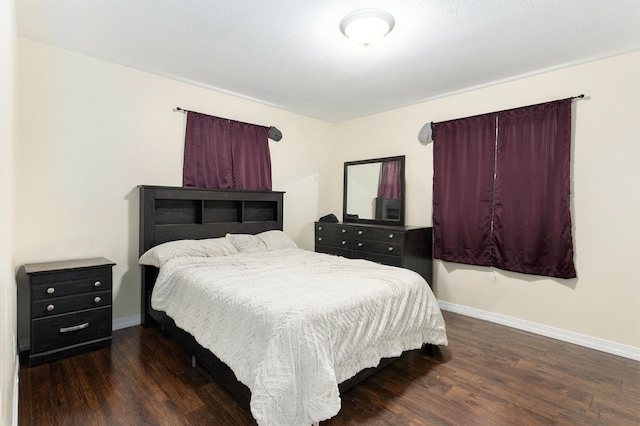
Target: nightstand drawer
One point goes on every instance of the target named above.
(78, 302)
(60, 331)
(91, 282)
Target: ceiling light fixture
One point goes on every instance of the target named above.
(367, 26)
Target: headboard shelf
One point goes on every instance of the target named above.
(221, 211)
(259, 211)
(171, 212)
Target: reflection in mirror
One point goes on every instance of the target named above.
(374, 191)
(362, 190)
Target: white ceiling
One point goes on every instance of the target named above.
(292, 55)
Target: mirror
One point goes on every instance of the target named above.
(374, 191)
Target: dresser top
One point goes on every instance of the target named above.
(34, 268)
(371, 225)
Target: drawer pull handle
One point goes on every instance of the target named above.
(50, 308)
(74, 328)
(360, 244)
(344, 243)
(360, 232)
(97, 299)
(319, 238)
(51, 290)
(390, 235)
(344, 230)
(97, 284)
(390, 248)
(319, 228)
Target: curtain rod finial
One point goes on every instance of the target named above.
(425, 135)
(275, 134)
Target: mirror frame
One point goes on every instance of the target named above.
(400, 221)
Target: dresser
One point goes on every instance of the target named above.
(64, 308)
(409, 247)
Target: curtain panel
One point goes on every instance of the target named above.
(532, 197)
(463, 154)
(225, 154)
(501, 190)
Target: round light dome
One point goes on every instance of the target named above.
(367, 26)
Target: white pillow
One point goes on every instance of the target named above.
(277, 240)
(159, 255)
(264, 241)
(247, 243)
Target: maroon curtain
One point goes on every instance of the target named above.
(520, 220)
(389, 184)
(251, 157)
(532, 223)
(463, 152)
(225, 154)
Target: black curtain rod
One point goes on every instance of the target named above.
(274, 133)
(425, 135)
(581, 96)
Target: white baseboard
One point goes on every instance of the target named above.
(543, 330)
(126, 322)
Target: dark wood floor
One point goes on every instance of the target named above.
(488, 375)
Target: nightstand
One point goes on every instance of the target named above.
(64, 308)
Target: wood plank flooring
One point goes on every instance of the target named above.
(488, 375)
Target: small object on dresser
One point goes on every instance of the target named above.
(330, 218)
(64, 308)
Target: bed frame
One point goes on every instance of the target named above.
(174, 213)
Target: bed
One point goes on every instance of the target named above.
(296, 347)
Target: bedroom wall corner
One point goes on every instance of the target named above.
(603, 301)
(91, 131)
(9, 364)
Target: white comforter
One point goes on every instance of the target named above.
(292, 324)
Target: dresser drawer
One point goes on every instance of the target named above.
(90, 282)
(378, 258)
(333, 229)
(334, 241)
(378, 234)
(61, 305)
(60, 331)
(380, 247)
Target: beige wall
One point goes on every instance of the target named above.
(8, 359)
(604, 301)
(90, 131)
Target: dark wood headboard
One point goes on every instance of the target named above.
(175, 213)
